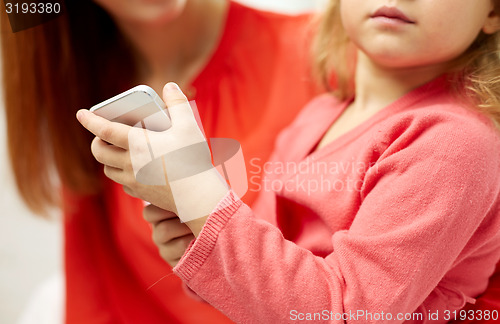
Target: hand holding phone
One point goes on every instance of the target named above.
(169, 169)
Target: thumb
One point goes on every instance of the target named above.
(177, 103)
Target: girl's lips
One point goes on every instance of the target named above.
(391, 13)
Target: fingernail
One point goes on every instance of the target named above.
(171, 86)
(80, 114)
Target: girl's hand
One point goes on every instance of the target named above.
(170, 235)
(172, 169)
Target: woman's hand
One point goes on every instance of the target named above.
(170, 235)
(171, 169)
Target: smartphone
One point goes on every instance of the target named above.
(138, 107)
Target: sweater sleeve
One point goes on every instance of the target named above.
(425, 206)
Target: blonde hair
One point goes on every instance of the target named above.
(477, 70)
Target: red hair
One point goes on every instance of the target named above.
(49, 72)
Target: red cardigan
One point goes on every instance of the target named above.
(400, 216)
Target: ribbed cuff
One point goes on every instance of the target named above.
(197, 253)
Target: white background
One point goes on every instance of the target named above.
(31, 248)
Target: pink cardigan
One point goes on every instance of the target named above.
(397, 218)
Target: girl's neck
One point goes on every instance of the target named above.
(178, 49)
(378, 86)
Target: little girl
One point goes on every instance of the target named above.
(396, 215)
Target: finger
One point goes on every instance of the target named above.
(179, 245)
(129, 191)
(153, 214)
(173, 251)
(117, 175)
(109, 155)
(168, 230)
(177, 103)
(111, 132)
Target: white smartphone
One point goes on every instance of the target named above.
(138, 107)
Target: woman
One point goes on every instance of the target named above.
(245, 69)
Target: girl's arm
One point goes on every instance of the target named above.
(424, 212)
